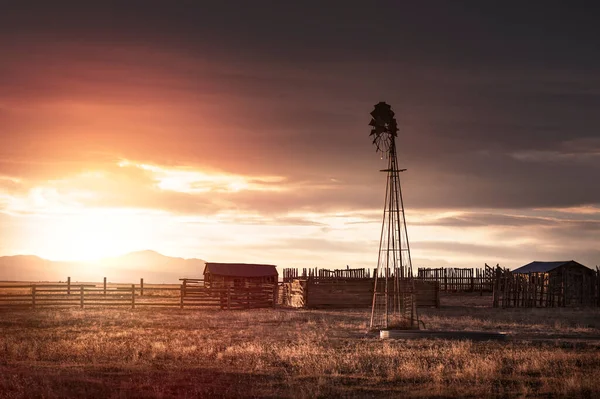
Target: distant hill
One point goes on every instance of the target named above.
(129, 268)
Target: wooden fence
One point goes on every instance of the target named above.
(189, 294)
(550, 289)
(344, 288)
(290, 274)
(447, 279)
(460, 279)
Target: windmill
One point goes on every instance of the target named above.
(394, 299)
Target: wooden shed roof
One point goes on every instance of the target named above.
(240, 269)
(545, 267)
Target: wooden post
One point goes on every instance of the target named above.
(583, 296)
(526, 291)
(495, 290)
(104, 285)
(564, 284)
(480, 279)
(33, 296)
(507, 289)
(81, 297)
(597, 286)
(132, 296)
(68, 285)
(141, 287)
(228, 298)
(182, 294)
(445, 279)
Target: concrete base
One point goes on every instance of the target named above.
(454, 335)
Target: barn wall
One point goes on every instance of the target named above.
(578, 285)
(216, 279)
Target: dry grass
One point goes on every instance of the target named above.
(288, 353)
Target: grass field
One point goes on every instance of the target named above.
(295, 353)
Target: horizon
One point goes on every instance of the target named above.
(250, 142)
(135, 251)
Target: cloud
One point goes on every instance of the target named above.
(482, 219)
(477, 145)
(584, 150)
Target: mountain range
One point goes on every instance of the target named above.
(152, 266)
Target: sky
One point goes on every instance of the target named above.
(238, 131)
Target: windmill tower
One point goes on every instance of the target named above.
(394, 299)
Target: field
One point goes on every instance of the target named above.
(124, 353)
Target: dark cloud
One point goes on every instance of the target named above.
(497, 103)
(506, 33)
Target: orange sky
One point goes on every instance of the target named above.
(109, 146)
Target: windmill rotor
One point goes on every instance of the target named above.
(384, 128)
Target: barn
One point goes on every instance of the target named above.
(239, 274)
(568, 283)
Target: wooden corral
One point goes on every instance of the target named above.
(547, 284)
(459, 279)
(333, 289)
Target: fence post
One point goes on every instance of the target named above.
(33, 296)
(104, 285)
(228, 299)
(141, 287)
(81, 296)
(481, 281)
(68, 285)
(597, 286)
(182, 294)
(132, 296)
(445, 279)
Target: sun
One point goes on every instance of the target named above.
(92, 234)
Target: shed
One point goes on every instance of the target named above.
(569, 280)
(554, 267)
(240, 274)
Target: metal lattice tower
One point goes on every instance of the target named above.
(394, 299)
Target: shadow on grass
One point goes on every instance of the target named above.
(116, 382)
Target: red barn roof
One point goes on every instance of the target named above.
(240, 269)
